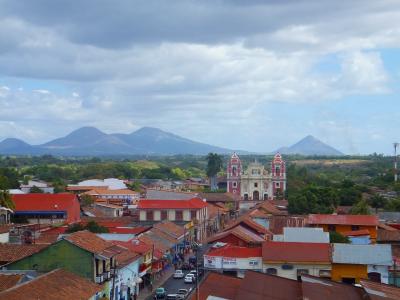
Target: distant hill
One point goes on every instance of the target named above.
(90, 141)
(310, 146)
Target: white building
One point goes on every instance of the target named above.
(234, 258)
(44, 186)
(302, 234)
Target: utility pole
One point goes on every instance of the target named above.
(395, 145)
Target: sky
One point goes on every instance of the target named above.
(242, 74)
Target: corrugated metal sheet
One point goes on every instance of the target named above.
(305, 234)
(362, 254)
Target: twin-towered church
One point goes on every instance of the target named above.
(256, 183)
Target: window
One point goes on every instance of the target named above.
(149, 215)
(234, 184)
(192, 214)
(301, 272)
(253, 263)
(178, 215)
(164, 215)
(331, 228)
(355, 227)
(234, 171)
(271, 271)
(325, 273)
(277, 184)
(255, 184)
(246, 197)
(278, 170)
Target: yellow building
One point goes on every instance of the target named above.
(345, 223)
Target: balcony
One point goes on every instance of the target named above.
(106, 275)
(99, 278)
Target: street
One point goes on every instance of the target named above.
(173, 285)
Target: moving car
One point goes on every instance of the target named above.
(183, 293)
(189, 278)
(172, 296)
(179, 274)
(161, 293)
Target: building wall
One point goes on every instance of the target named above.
(157, 215)
(126, 276)
(357, 272)
(4, 237)
(383, 270)
(59, 255)
(313, 269)
(228, 263)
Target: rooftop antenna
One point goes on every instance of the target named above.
(395, 145)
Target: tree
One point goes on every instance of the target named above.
(360, 208)
(393, 205)
(86, 200)
(92, 226)
(214, 165)
(5, 200)
(377, 201)
(335, 237)
(35, 190)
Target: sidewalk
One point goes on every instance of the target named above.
(146, 293)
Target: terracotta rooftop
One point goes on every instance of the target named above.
(214, 210)
(58, 284)
(361, 232)
(88, 241)
(218, 197)
(9, 280)
(135, 245)
(13, 252)
(296, 252)
(218, 285)
(47, 238)
(104, 192)
(366, 220)
(249, 224)
(170, 228)
(194, 203)
(236, 251)
(241, 233)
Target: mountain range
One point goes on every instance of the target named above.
(89, 141)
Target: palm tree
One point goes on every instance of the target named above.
(214, 165)
(5, 199)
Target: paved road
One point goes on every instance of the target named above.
(173, 285)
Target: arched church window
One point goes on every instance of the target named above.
(234, 171)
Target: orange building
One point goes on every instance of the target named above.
(345, 223)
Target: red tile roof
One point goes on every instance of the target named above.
(236, 251)
(89, 241)
(241, 233)
(9, 280)
(296, 252)
(48, 202)
(58, 284)
(170, 228)
(13, 252)
(277, 223)
(128, 230)
(365, 220)
(134, 245)
(357, 232)
(249, 224)
(194, 203)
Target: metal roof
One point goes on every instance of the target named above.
(362, 254)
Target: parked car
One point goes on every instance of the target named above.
(189, 278)
(172, 297)
(161, 293)
(183, 293)
(196, 273)
(179, 274)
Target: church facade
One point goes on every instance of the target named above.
(256, 183)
